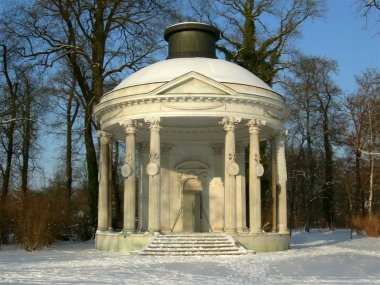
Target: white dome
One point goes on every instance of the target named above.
(216, 69)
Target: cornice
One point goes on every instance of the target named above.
(211, 101)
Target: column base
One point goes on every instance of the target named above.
(230, 231)
(127, 232)
(153, 231)
(255, 231)
(283, 231)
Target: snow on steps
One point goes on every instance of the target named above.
(193, 244)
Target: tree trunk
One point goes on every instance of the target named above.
(310, 178)
(11, 127)
(27, 129)
(69, 167)
(370, 157)
(358, 184)
(370, 190)
(92, 167)
(70, 120)
(328, 197)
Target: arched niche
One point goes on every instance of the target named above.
(192, 175)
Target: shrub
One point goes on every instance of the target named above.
(369, 225)
(38, 219)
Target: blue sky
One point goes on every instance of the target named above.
(343, 35)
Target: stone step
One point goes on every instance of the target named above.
(206, 235)
(193, 244)
(193, 236)
(155, 244)
(195, 253)
(191, 240)
(227, 248)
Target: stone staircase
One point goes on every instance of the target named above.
(193, 244)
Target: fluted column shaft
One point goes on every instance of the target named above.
(229, 125)
(129, 224)
(104, 139)
(281, 181)
(254, 180)
(110, 186)
(153, 170)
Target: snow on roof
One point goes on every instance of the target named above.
(216, 69)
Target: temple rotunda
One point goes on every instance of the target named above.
(187, 122)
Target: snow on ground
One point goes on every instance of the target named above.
(319, 257)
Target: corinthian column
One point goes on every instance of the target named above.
(231, 169)
(104, 139)
(153, 170)
(128, 171)
(254, 179)
(110, 186)
(281, 182)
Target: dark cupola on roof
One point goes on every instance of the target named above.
(191, 40)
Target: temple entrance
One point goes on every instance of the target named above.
(191, 205)
(192, 212)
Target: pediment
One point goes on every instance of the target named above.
(193, 83)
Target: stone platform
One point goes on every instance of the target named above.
(190, 243)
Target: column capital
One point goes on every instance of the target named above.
(254, 125)
(104, 137)
(129, 126)
(154, 123)
(229, 123)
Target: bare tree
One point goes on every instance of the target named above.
(368, 6)
(326, 92)
(356, 138)
(312, 95)
(299, 92)
(10, 88)
(99, 39)
(66, 108)
(369, 88)
(31, 107)
(255, 34)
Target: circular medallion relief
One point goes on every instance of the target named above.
(152, 169)
(233, 168)
(126, 170)
(259, 170)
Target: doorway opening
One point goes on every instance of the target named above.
(192, 205)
